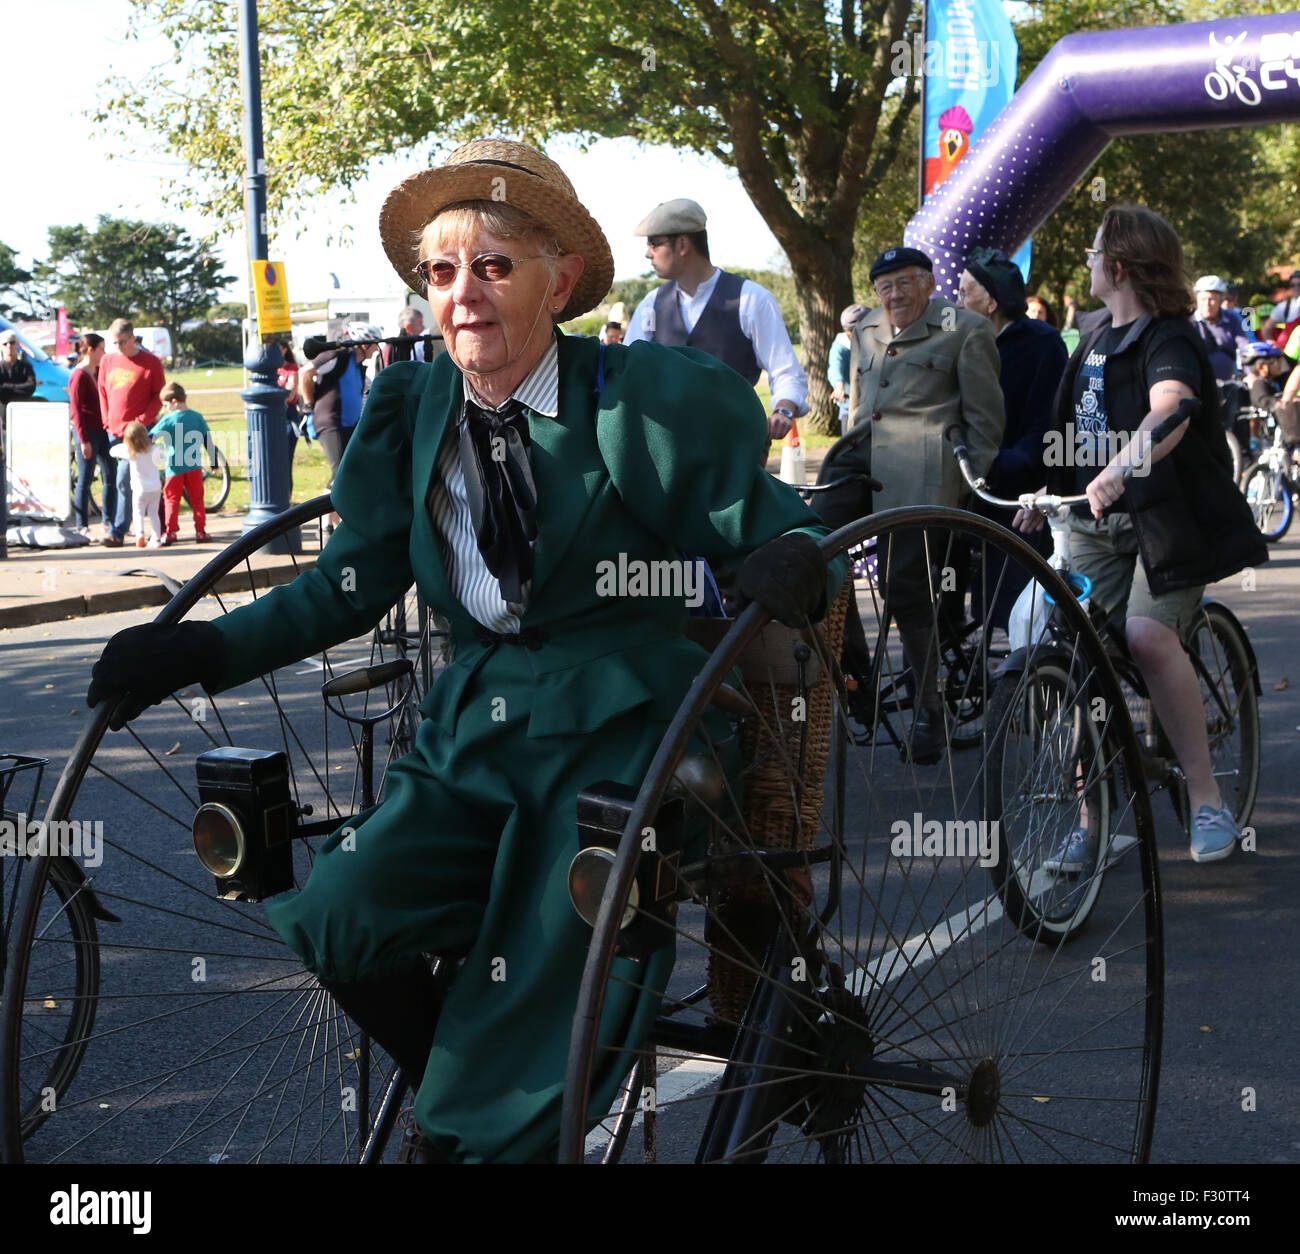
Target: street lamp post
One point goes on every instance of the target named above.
(268, 444)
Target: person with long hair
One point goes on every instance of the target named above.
(90, 440)
(1150, 544)
(287, 378)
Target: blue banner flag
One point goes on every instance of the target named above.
(968, 61)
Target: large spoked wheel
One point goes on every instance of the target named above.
(1230, 693)
(144, 1019)
(70, 990)
(1269, 496)
(851, 980)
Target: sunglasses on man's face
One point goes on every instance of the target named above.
(486, 267)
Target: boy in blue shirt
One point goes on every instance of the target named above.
(188, 442)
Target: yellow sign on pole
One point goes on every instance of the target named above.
(272, 297)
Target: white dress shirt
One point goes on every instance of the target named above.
(473, 585)
(760, 323)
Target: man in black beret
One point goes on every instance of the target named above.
(917, 366)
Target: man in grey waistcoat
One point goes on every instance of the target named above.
(730, 318)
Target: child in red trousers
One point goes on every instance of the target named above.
(189, 445)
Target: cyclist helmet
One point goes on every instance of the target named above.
(364, 331)
(1258, 351)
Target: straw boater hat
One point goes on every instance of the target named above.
(511, 172)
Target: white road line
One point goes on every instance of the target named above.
(964, 924)
(693, 1074)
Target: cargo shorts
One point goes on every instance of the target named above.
(1107, 552)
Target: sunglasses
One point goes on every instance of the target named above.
(486, 267)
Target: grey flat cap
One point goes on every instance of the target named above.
(673, 217)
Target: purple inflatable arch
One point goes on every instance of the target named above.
(1086, 91)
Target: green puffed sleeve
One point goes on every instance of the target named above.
(685, 440)
(366, 565)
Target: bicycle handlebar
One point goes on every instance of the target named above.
(1047, 503)
(870, 480)
(314, 345)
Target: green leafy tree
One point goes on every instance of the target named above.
(213, 341)
(153, 273)
(791, 95)
(21, 295)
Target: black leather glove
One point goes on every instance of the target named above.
(787, 577)
(143, 665)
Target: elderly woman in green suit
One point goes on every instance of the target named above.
(503, 479)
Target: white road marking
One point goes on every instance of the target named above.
(683, 1080)
(964, 924)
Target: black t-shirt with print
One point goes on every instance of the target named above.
(1173, 360)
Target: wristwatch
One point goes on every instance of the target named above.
(784, 411)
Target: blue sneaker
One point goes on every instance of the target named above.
(1070, 855)
(1214, 835)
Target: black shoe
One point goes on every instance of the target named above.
(927, 740)
(415, 1146)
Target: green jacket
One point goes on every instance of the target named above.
(667, 460)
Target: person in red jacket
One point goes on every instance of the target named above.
(88, 432)
(130, 386)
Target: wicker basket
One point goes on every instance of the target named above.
(777, 814)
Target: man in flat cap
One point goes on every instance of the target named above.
(730, 318)
(917, 366)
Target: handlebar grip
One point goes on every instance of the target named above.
(1188, 407)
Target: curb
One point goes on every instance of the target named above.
(149, 593)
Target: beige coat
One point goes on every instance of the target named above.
(942, 369)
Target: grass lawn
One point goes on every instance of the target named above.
(215, 394)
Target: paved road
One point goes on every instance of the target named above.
(1232, 1013)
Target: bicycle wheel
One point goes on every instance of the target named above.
(1044, 786)
(1269, 496)
(202, 1039)
(216, 481)
(1229, 683)
(69, 990)
(849, 985)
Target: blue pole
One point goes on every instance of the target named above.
(268, 442)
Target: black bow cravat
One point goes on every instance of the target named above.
(502, 497)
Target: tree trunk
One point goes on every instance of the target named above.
(823, 292)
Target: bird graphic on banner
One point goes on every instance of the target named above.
(955, 129)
